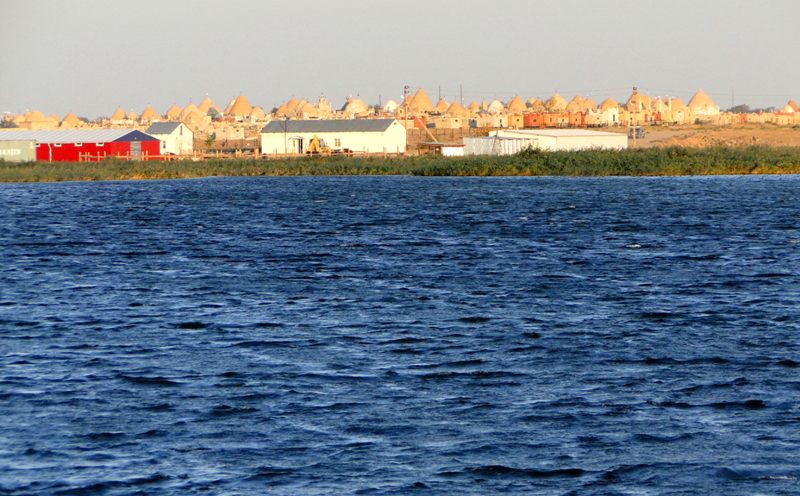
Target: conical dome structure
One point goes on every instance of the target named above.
(474, 107)
(556, 103)
(638, 102)
(574, 107)
(70, 120)
(291, 105)
(206, 105)
(496, 107)
(173, 113)
(457, 110)
(609, 104)
(793, 104)
(281, 111)
(190, 109)
(516, 105)
(241, 107)
(702, 105)
(258, 113)
(442, 106)
(535, 105)
(118, 115)
(421, 103)
(148, 115)
(589, 104)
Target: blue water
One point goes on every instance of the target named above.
(401, 335)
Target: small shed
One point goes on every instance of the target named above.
(176, 138)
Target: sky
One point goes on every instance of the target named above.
(92, 56)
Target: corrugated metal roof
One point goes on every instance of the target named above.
(329, 126)
(162, 127)
(75, 135)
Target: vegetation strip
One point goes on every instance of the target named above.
(674, 161)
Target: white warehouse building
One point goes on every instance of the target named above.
(176, 138)
(510, 141)
(352, 135)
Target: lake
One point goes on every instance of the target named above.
(394, 335)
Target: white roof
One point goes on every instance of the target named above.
(561, 133)
(65, 135)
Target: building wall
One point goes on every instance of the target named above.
(88, 152)
(393, 140)
(18, 151)
(179, 142)
(607, 141)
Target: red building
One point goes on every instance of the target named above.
(88, 145)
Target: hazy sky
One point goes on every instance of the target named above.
(91, 56)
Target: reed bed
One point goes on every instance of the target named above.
(674, 161)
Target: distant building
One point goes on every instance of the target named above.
(87, 145)
(176, 138)
(358, 135)
(508, 142)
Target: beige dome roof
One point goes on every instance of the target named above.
(390, 106)
(132, 115)
(442, 106)
(281, 111)
(35, 116)
(793, 104)
(457, 110)
(536, 105)
(173, 113)
(305, 109)
(474, 106)
(589, 104)
(574, 107)
(292, 104)
(496, 107)
(420, 102)
(148, 115)
(355, 106)
(118, 114)
(609, 103)
(701, 100)
(70, 120)
(556, 102)
(787, 109)
(206, 105)
(638, 102)
(676, 104)
(516, 105)
(190, 109)
(241, 107)
(258, 113)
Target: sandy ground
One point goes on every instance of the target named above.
(694, 136)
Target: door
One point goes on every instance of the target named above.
(136, 150)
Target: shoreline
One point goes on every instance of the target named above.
(640, 162)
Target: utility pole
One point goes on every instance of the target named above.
(406, 89)
(461, 94)
(635, 112)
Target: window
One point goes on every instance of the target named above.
(57, 145)
(78, 145)
(337, 142)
